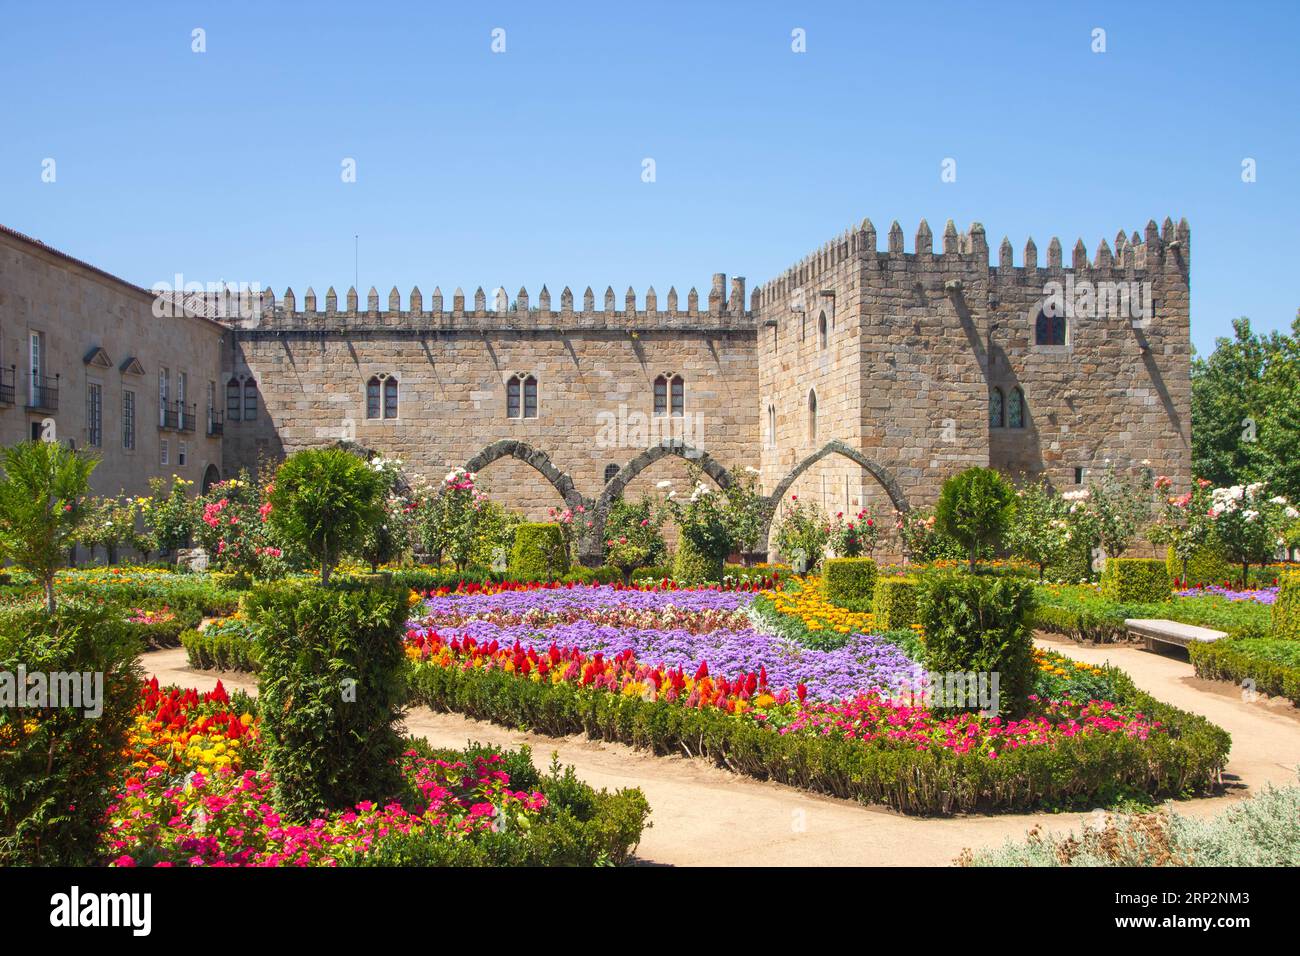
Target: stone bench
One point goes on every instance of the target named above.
(1152, 630)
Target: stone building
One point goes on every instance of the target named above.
(85, 360)
(860, 377)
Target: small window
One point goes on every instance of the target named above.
(997, 409)
(512, 398)
(530, 397)
(128, 420)
(1016, 409)
(1078, 476)
(611, 470)
(182, 453)
(821, 331)
(232, 400)
(771, 426)
(661, 395)
(1049, 329)
(812, 415)
(390, 397)
(250, 401)
(678, 388)
(94, 414)
(164, 452)
(372, 398)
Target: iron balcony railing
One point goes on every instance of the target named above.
(8, 395)
(178, 417)
(44, 394)
(215, 425)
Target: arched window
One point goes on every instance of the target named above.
(1049, 329)
(771, 426)
(232, 400)
(610, 471)
(661, 395)
(997, 409)
(530, 397)
(250, 400)
(803, 326)
(512, 398)
(678, 389)
(521, 396)
(1016, 409)
(812, 415)
(390, 397)
(821, 331)
(372, 397)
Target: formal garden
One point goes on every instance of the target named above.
(351, 595)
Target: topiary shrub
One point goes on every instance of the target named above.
(58, 766)
(975, 508)
(1135, 581)
(849, 582)
(1206, 566)
(894, 604)
(332, 692)
(977, 624)
(539, 553)
(1286, 609)
(691, 566)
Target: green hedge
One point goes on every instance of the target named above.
(1206, 566)
(539, 552)
(1081, 614)
(579, 826)
(894, 605)
(1286, 609)
(1272, 664)
(1080, 771)
(221, 652)
(849, 582)
(1135, 580)
(60, 766)
(692, 566)
(332, 691)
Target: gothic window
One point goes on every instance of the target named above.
(512, 398)
(821, 331)
(1049, 329)
(232, 400)
(661, 395)
(1016, 409)
(390, 397)
(997, 411)
(250, 400)
(530, 397)
(610, 471)
(812, 416)
(678, 389)
(521, 396)
(372, 397)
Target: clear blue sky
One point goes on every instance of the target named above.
(521, 168)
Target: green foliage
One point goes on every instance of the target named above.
(539, 553)
(1206, 565)
(1272, 665)
(57, 766)
(693, 566)
(1081, 614)
(580, 826)
(850, 582)
(232, 528)
(169, 514)
(633, 536)
(744, 512)
(702, 521)
(975, 508)
(977, 623)
(802, 528)
(42, 493)
(224, 646)
(1135, 581)
(112, 524)
(1286, 608)
(894, 603)
(332, 691)
(324, 500)
(1080, 772)
(458, 521)
(1040, 531)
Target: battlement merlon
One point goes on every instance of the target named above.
(1160, 249)
(260, 310)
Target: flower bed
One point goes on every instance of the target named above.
(196, 797)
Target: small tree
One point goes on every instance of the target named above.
(975, 508)
(42, 495)
(855, 537)
(802, 528)
(744, 513)
(325, 500)
(1184, 524)
(1248, 524)
(1121, 506)
(169, 513)
(1040, 531)
(389, 538)
(633, 534)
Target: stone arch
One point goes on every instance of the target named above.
(708, 464)
(836, 447)
(211, 476)
(508, 448)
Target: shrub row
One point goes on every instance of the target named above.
(850, 582)
(1082, 615)
(1272, 665)
(1286, 609)
(222, 652)
(1080, 771)
(1135, 580)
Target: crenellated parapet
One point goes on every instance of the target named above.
(498, 312)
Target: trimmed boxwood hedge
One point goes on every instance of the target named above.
(850, 582)
(894, 606)
(539, 552)
(1273, 665)
(222, 652)
(1206, 566)
(1080, 771)
(1135, 580)
(1286, 609)
(692, 566)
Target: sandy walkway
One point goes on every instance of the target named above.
(703, 815)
